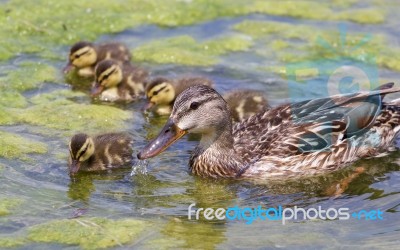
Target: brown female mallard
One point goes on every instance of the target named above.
(118, 82)
(85, 55)
(102, 152)
(304, 138)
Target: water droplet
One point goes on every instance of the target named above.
(140, 167)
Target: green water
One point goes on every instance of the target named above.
(238, 45)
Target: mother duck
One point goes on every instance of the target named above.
(305, 138)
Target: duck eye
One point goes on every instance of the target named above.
(194, 105)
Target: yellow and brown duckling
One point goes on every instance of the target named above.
(292, 140)
(161, 92)
(85, 55)
(115, 81)
(101, 152)
(244, 103)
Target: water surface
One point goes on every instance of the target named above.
(44, 192)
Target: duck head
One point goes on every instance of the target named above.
(108, 74)
(81, 148)
(82, 54)
(198, 109)
(159, 91)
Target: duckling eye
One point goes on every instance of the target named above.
(155, 92)
(194, 105)
(105, 77)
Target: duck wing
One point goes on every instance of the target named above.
(310, 126)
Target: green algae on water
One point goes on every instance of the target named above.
(12, 99)
(14, 146)
(177, 50)
(296, 43)
(364, 16)
(29, 75)
(27, 27)
(188, 235)
(298, 9)
(8, 204)
(227, 44)
(89, 233)
(318, 11)
(6, 117)
(70, 116)
(8, 242)
(186, 50)
(55, 95)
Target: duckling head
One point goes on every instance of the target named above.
(81, 148)
(108, 74)
(160, 91)
(82, 54)
(198, 109)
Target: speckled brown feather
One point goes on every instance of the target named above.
(114, 50)
(277, 135)
(136, 75)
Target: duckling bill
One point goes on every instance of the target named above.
(101, 152)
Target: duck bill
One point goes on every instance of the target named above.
(96, 89)
(148, 106)
(168, 135)
(68, 68)
(74, 168)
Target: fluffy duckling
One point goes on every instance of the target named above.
(85, 55)
(118, 82)
(162, 92)
(101, 152)
(244, 103)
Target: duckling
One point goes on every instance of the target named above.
(161, 92)
(101, 152)
(85, 55)
(244, 103)
(292, 140)
(116, 82)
